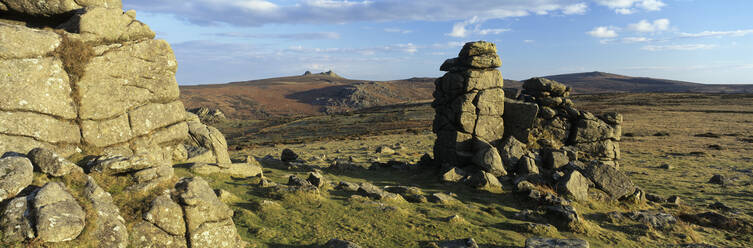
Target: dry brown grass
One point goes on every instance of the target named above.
(75, 55)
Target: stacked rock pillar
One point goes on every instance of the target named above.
(469, 104)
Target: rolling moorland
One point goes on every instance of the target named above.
(673, 144)
(323, 93)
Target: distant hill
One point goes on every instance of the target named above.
(326, 92)
(601, 82)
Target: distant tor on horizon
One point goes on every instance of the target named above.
(327, 92)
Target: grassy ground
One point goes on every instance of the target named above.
(306, 220)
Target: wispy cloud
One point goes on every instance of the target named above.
(685, 47)
(733, 33)
(626, 7)
(398, 30)
(603, 32)
(644, 26)
(461, 29)
(294, 36)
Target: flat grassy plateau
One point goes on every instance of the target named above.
(697, 135)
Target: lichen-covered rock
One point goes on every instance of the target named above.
(576, 185)
(167, 215)
(21, 42)
(113, 83)
(458, 243)
(50, 163)
(608, 178)
(236, 169)
(371, 191)
(15, 221)
(56, 7)
(58, 216)
(211, 139)
(110, 25)
(145, 234)
(39, 85)
(339, 243)
(487, 158)
(453, 175)
(520, 118)
(511, 150)
(110, 228)
(16, 173)
(208, 221)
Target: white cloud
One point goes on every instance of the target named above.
(687, 47)
(398, 30)
(734, 33)
(635, 39)
(461, 30)
(575, 9)
(645, 26)
(603, 32)
(261, 12)
(528, 41)
(626, 7)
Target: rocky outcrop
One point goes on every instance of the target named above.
(85, 79)
(469, 104)
(207, 115)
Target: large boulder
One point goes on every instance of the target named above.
(211, 139)
(519, 119)
(607, 178)
(16, 173)
(511, 151)
(575, 185)
(209, 222)
(488, 159)
(58, 216)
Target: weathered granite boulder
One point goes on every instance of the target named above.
(59, 217)
(46, 161)
(107, 25)
(209, 138)
(15, 221)
(110, 228)
(607, 178)
(541, 242)
(16, 173)
(575, 185)
(209, 222)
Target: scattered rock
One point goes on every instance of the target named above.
(485, 181)
(719, 179)
(720, 206)
(715, 220)
(565, 217)
(540, 242)
(455, 219)
(511, 151)
(453, 175)
(46, 161)
(458, 243)
(674, 200)
(371, 191)
(235, 169)
(316, 179)
(347, 186)
(297, 181)
(339, 243)
(666, 166)
(650, 218)
(661, 134)
(385, 150)
(16, 173)
(288, 155)
(655, 198)
(538, 229)
(555, 159)
(167, 215)
(442, 198)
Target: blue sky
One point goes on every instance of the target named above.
(218, 41)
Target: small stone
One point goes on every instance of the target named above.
(339, 243)
(674, 200)
(453, 175)
(666, 166)
(288, 155)
(719, 179)
(385, 150)
(540, 242)
(316, 179)
(458, 243)
(347, 186)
